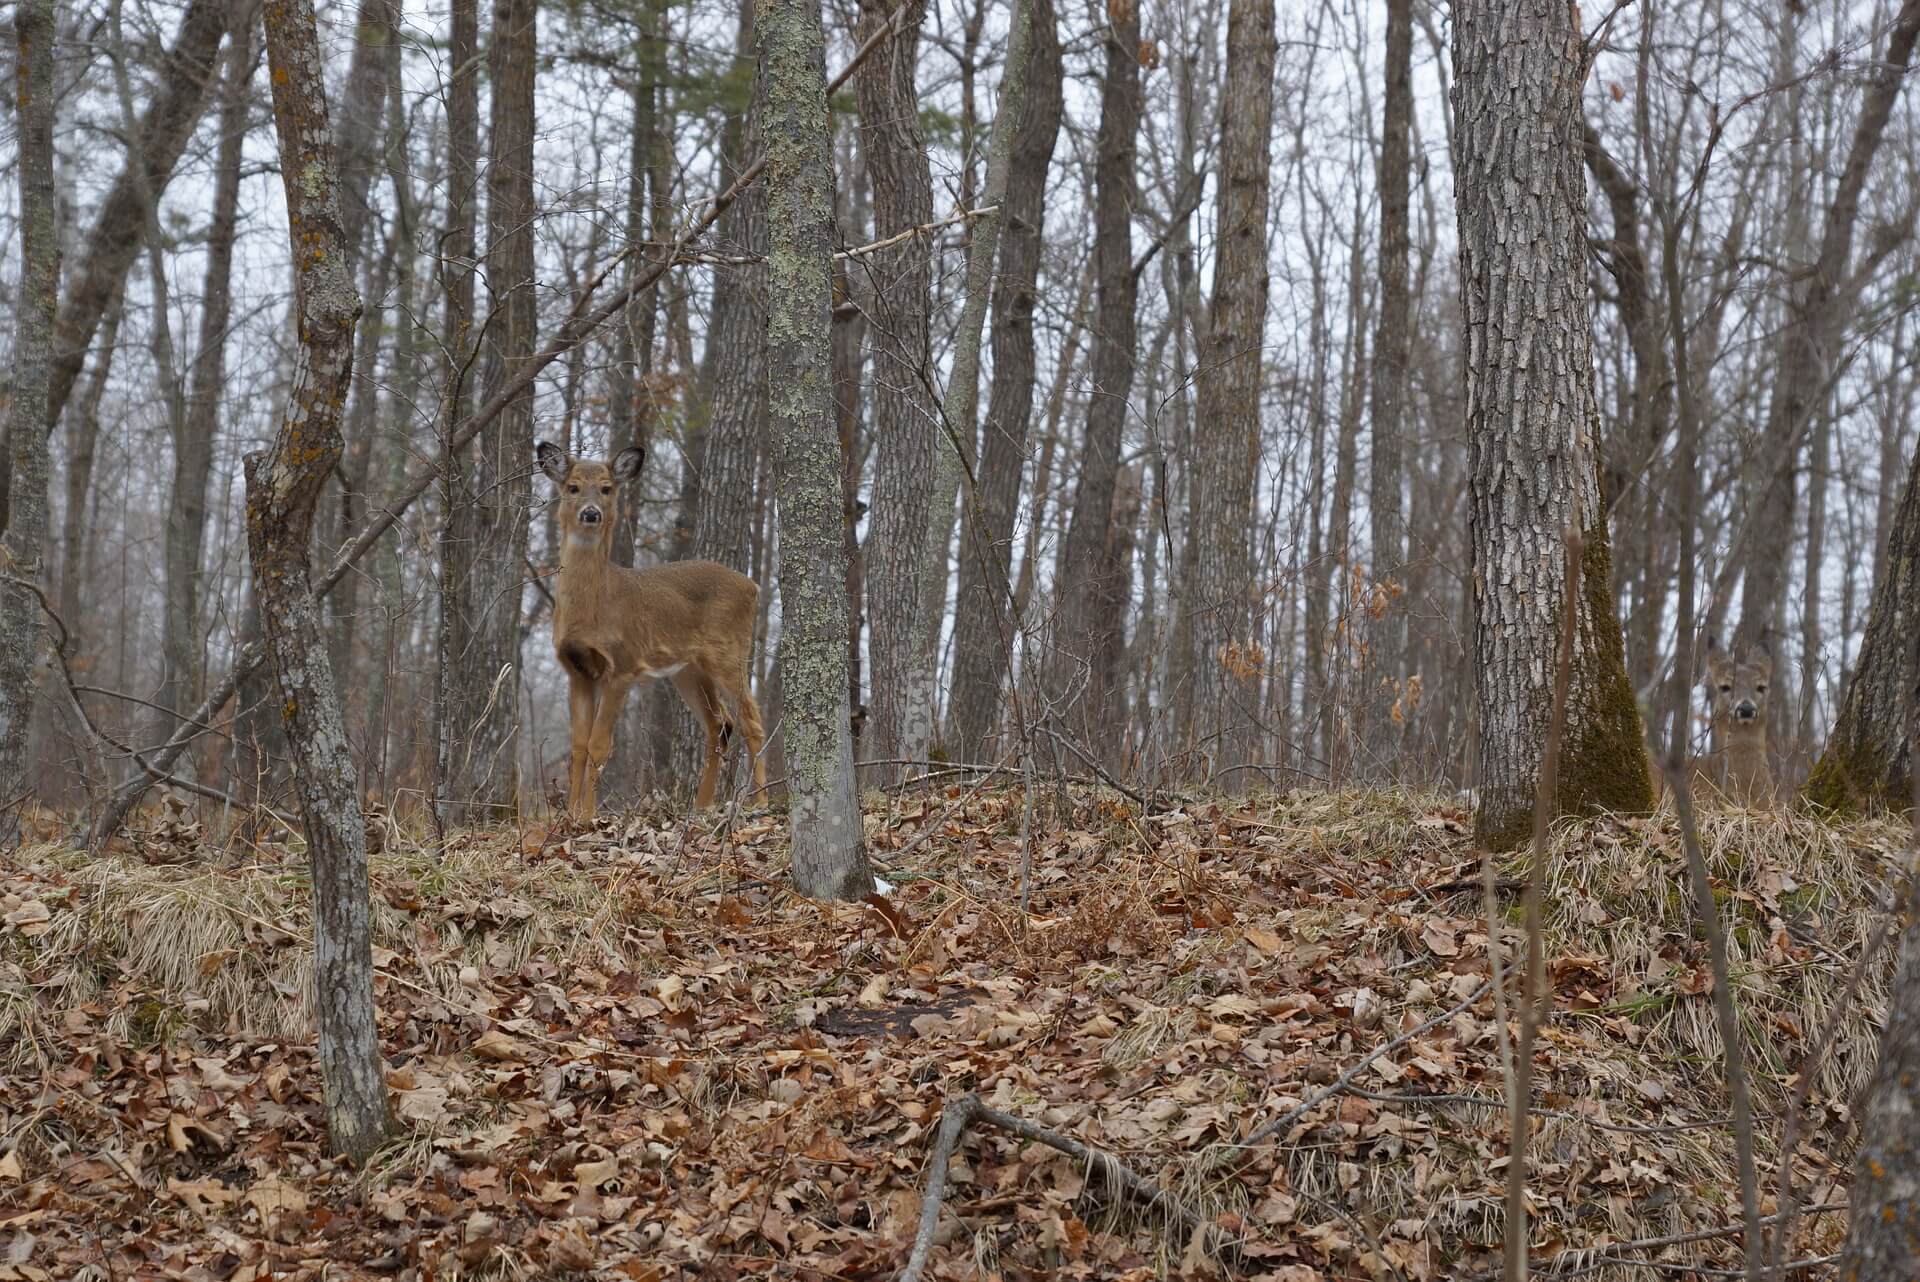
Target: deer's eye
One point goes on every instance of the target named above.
(606, 489)
(1726, 689)
(1760, 689)
(573, 489)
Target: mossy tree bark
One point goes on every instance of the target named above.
(1532, 423)
(906, 432)
(829, 846)
(1225, 664)
(21, 626)
(1868, 762)
(283, 482)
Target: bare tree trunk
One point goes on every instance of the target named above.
(21, 625)
(459, 520)
(904, 426)
(1225, 658)
(1392, 341)
(1532, 423)
(829, 846)
(118, 229)
(76, 529)
(986, 542)
(283, 483)
(1807, 347)
(481, 676)
(1084, 608)
(362, 113)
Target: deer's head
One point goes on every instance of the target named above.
(589, 489)
(1740, 683)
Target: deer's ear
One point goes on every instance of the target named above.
(552, 460)
(626, 464)
(1761, 661)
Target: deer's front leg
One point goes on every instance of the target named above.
(580, 705)
(612, 697)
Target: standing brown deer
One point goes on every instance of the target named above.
(689, 621)
(1740, 714)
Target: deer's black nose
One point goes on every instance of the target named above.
(589, 516)
(1745, 711)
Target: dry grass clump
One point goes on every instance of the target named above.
(1800, 896)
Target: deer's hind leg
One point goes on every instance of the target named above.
(751, 728)
(700, 694)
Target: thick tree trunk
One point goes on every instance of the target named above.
(1868, 762)
(984, 617)
(904, 424)
(481, 677)
(1532, 423)
(1883, 1230)
(1226, 659)
(1082, 601)
(21, 622)
(1808, 345)
(829, 845)
(283, 484)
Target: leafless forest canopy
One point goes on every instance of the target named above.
(1724, 186)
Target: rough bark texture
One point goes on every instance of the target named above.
(485, 568)
(1227, 662)
(904, 425)
(1532, 423)
(1808, 345)
(283, 483)
(21, 625)
(1082, 612)
(983, 611)
(829, 846)
(1868, 762)
(193, 444)
(1883, 1234)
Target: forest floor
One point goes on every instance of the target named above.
(633, 1054)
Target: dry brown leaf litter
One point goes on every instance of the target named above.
(632, 1054)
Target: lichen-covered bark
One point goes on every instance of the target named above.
(1224, 662)
(1883, 1235)
(905, 428)
(21, 626)
(1083, 611)
(1532, 423)
(986, 542)
(829, 846)
(1868, 761)
(283, 483)
(488, 522)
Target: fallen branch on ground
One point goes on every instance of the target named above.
(1124, 1182)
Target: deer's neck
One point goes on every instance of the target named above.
(586, 575)
(1748, 774)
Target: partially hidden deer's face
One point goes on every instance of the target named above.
(589, 489)
(1739, 684)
